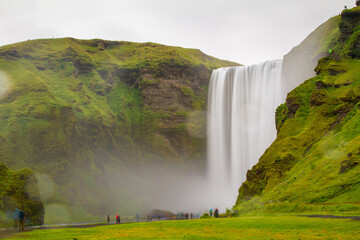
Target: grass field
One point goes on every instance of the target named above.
(277, 227)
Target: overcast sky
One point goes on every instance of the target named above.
(244, 31)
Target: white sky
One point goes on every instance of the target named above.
(244, 31)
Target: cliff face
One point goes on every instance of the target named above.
(106, 84)
(79, 112)
(300, 62)
(19, 190)
(313, 165)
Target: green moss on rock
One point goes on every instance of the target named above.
(281, 115)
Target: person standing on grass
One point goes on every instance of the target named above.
(216, 213)
(21, 220)
(108, 219)
(211, 212)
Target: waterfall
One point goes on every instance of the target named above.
(241, 124)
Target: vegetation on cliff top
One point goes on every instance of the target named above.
(313, 165)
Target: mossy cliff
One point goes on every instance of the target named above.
(19, 190)
(79, 111)
(313, 165)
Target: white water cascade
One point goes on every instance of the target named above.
(241, 124)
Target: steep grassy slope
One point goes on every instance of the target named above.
(19, 190)
(82, 114)
(313, 165)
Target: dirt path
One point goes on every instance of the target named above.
(332, 216)
(8, 232)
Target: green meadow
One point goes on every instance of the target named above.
(263, 227)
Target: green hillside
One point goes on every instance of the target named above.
(83, 113)
(313, 165)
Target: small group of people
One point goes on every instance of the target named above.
(19, 219)
(191, 216)
(165, 216)
(216, 212)
(117, 219)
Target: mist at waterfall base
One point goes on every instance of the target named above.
(240, 126)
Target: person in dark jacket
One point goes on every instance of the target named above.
(21, 220)
(216, 213)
